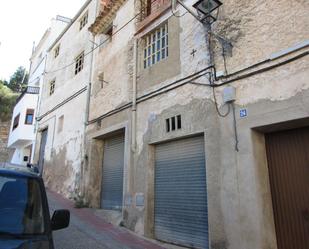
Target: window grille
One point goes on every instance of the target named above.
(156, 46)
(83, 21)
(173, 123)
(52, 87)
(79, 63)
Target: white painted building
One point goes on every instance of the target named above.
(61, 119)
(23, 126)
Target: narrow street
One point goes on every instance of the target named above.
(88, 231)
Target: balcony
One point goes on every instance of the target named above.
(28, 90)
(22, 132)
(152, 10)
(108, 10)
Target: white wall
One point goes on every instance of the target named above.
(23, 132)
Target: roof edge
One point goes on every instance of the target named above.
(70, 24)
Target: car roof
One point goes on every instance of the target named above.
(18, 170)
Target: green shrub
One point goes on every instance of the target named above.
(7, 102)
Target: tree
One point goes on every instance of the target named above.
(7, 101)
(18, 80)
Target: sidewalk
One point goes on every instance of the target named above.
(86, 222)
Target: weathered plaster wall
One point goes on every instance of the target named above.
(239, 199)
(113, 60)
(63, 156)
(64, 153)
(258, 29)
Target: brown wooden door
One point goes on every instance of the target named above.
(288, 163)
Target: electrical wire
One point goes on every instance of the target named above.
(107, 39)
(217, 108)
(235, 127)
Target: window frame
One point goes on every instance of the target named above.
(52, 86)
(29, 112)
(16, 121)
(79, 63)
(156, 46)
(83, 21)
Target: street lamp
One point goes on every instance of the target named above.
(205, 8)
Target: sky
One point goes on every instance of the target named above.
(23, 22)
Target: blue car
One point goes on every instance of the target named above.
(24, 214)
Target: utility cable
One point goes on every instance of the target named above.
(107, 39)
(97, 46)
(235, 127)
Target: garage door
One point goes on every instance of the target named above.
(288, 163)
(112, 179)
(180, 193)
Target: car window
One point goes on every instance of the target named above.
(21, 210)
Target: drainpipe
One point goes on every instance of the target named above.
(134, 93)
(86, 119)
(133, 124)
(38, 108)
(81, 185)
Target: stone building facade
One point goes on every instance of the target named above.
(154, 120)
(180, 128)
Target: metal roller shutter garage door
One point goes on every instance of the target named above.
(180, 193)
(112, 179)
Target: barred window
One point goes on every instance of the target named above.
(79, 63)
(52, 87)
(156, 46)
(83, 21)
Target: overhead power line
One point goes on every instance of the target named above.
(97, 46)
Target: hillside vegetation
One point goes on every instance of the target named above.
(7, 101)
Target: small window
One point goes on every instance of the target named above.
(83, 21)
(29, 116)
(57, 51)
(16, 122)
(52, 87)
(173, 123)
(79, 63)
(60, 124)
(178, 121)
(156, 46)
(109, 30)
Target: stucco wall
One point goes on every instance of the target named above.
(239, 199)
(64, 154)
(257, 30)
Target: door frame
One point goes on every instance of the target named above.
(96, 161)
